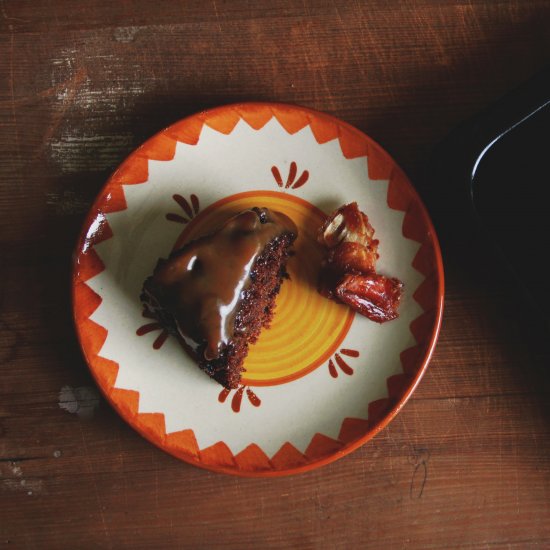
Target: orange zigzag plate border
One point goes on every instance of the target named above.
(252, 461)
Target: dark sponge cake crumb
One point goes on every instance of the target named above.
(255, 312)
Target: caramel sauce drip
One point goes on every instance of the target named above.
(202, 282)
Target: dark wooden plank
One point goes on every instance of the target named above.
(483, 458)
(465, 464)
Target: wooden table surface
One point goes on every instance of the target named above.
(467, 461)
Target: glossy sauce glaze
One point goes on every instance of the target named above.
(200, 285)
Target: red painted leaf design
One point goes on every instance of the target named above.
(350, 352)
(301, 180)
(161, 338)
(223, 395)
(149, 327)
(176, 218)
(237, 398)
(182, 201)
(253, 398)
(346, 369)
(195, 203)
(277, 176)
(291, 174)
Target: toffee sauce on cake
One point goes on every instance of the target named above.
(201, 285)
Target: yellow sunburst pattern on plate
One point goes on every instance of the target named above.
(307, 328)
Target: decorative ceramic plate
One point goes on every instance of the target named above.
(322, 380)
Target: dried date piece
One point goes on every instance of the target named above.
(375, 296)
(349, 269)
(352, 257)
(347, 224)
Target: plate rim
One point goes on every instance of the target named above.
(395, 408)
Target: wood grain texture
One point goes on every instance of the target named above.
(465, 464)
